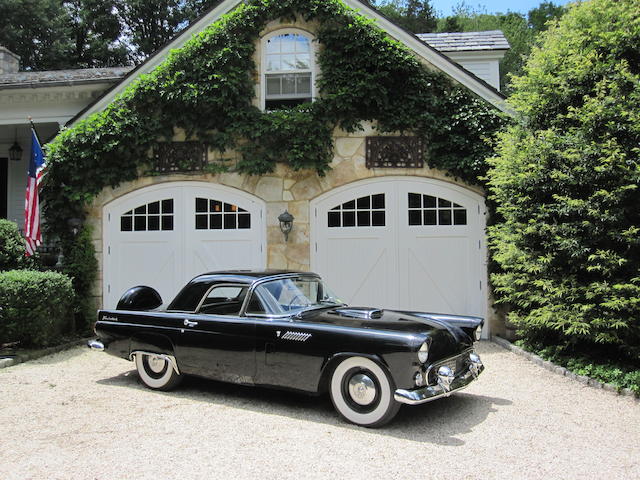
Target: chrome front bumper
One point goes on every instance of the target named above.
(447, 383)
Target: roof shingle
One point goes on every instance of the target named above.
(466, 41)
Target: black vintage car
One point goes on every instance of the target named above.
(286, 329)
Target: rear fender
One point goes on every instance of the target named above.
(150, 342)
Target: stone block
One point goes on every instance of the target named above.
(274, 209)
(298, 253)
(6, 362)
(289, 182)
(307, 189)
(583, 379)
(300, 210)
(269, 189)
(348, 146)
(234, 180)
(276, 257)
(287, 196)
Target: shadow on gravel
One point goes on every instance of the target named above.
(438, 422)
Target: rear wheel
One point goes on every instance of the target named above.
(362, 392)
(156, 371)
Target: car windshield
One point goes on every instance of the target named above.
(294, 295)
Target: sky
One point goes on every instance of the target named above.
(445, 7)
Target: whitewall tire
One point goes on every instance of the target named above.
(362, 392)
(156, 371)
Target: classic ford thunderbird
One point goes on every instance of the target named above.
(288, 330)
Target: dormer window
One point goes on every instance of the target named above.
(288, 70)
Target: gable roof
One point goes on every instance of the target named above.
(52, 78)
(466, 41)
(421, 48)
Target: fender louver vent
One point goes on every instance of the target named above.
(358, 312)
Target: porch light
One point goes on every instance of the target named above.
(286, 224)
(15, 152)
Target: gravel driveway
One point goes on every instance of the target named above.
(82, 414)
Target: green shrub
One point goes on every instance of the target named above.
(566, 183)
(12, 247)
(37, 307)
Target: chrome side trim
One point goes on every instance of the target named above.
(95, 345)
(433, 392)
(170, 358)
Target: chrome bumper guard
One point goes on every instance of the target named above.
(95, 345)
(447, 383)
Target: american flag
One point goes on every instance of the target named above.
(33, 235)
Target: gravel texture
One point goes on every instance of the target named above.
(84, 415)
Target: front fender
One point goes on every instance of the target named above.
(332, 361)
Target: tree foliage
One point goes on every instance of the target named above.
(566, 182)
(417, 16)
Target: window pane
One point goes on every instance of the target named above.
(140, 224)
(126, 224)
(154, 222)
(273, 85)
(244, 220)
(414, 200)
(444, 217)
(167, 222)
(377, 201)
(377, 219)
(414, 217)
(459, 217)
(273, 45)
(348, 219)
(364, 219)
(302, 43)
(429, 201)
(364, 202)
(216, 221)
(201, 222)
(430, 217)
(303, 83)
(229, 221)
(334, 219)
(167, 206)
(349, 205)
(288, 84)
(273, 63)
(215, 206)
(303, 62)
(201, 204)
(288, 62)
(141, 210)
(154, 208)
(228, 207)
(443, 203)
(288, 43)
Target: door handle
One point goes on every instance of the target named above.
(188, 323)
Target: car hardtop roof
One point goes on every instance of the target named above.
(248, 276)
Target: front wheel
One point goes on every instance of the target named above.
(362, 392)
(156, 371)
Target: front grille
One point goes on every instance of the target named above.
(457, 364)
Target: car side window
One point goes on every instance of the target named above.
(224, 300)
(255, 305)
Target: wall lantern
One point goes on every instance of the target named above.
(286, 224)
(15, 152)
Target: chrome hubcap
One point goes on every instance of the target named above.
(156, 363)
(362, 389)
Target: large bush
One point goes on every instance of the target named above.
(566, 184)
(12, 247)
(36, 307)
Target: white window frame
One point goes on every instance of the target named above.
(263, 62)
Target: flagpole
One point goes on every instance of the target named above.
(33, 127)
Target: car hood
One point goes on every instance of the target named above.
(446, 336)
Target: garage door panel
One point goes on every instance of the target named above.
(437, 280)
(222, 254)
(145, 263)
(367, 283)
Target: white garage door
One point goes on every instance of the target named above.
(164, 235)
(402, 243)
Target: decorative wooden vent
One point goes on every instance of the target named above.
(179, 157)
(394, 152)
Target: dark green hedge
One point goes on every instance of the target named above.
(12, 246)
(37, 307)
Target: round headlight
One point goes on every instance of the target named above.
(423, 353)
(478, 332)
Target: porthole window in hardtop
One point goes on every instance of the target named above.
(152, 216)
(218, 215)
(288, 70)
(430, 210)
(368, 211)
